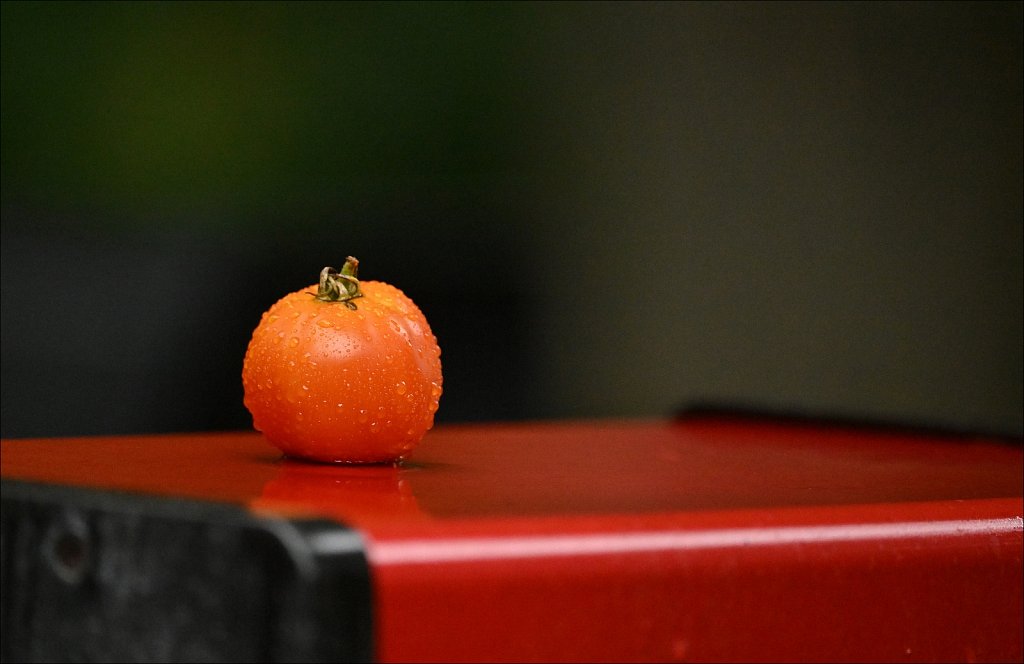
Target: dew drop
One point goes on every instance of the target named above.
(362, 415)
(323, 322)
(400, 387)
(293, 342)
(272, 317)
(374, 426)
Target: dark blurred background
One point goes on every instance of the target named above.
(604, 209)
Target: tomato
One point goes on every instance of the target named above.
(347, 371)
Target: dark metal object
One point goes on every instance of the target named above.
(738, 412)
(103, 576)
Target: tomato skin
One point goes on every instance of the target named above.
(330, 383)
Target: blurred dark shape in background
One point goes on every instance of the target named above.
(603, 209)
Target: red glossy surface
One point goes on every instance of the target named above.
(638, 541)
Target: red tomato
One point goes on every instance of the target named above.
(346, 372)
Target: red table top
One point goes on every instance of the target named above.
(512, 471)
(617, 498)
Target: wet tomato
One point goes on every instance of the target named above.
(347, 371)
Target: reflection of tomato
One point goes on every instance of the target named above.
(351, 494)
(347, 372)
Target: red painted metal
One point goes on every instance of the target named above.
(704, 539)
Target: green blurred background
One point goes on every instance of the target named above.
(604, 209)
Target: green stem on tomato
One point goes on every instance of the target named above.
(340, 286)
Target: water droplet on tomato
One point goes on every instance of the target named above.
(374, 426)
(323, 322)
(362, 415)
(293, 342)
(400, 387)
